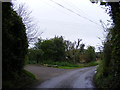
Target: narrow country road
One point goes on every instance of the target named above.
(77, 78)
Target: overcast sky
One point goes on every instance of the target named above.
(72, 19)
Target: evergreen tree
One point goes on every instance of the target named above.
(14, 41)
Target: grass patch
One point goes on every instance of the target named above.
(67, 65)
(72, 66)
(19, 80)
(29, 74)
(93, 63)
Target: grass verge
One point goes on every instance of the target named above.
(19, 80)
(93, 63)
(67, 65)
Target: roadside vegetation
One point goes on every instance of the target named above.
(108, 72)
(19, 80)
(66, 65)
(94, 63)
(60, 53)
(15, 48)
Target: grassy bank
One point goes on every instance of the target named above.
(67, 65)
(104, 80)
(94, 63)
(19, 80)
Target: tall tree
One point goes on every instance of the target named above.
(53, 49)
(59, 48)
(90, 54)
(14, 41)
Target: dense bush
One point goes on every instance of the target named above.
(15, 43)
(108, 74)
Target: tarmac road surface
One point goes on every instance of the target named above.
(77, 78)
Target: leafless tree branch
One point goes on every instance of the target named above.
(31, 26)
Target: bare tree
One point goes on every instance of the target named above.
(31, 27)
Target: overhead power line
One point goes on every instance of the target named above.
(55, 8)
(74, 12)
(73, 6)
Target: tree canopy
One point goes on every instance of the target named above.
(59, 50)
